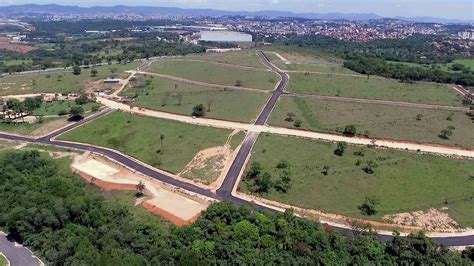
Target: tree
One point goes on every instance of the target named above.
(325, 170)
(76, 70)
(369, 168)
(350, 131)
(263, 183)
(369, 206)
(32, 103)
(94, 72)
(162, 137)
(284, 182)
(140, 188)
(238, 83)
(298, 123)
(76, 113)
(341, 147)
(255, 170)
(210, 101)
(199, 111)
(290, 117)
(82, 99)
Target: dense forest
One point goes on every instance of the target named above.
(372, 57)
(372, 65)
(66, 222)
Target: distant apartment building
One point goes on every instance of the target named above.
(225, 36)
(469, 35)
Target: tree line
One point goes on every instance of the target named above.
(65, 221)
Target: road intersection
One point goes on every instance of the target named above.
(225, 192)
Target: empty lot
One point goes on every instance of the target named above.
(376, 120)
(401, 182)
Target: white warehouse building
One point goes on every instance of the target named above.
(225, 36)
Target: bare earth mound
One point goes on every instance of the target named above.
(430, 220)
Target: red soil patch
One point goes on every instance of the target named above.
(6, 44)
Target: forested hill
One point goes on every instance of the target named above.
(66, 221)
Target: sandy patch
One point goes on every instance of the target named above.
(179, 208)
(430, 220)
(49, 127)
(207, 165)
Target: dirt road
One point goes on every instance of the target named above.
(430, 148)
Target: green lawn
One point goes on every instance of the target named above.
(217, 74)
(240, 58)
(402, 181)
(376, 120)
(59, 82)
(17, 62)
(141, 139)
(385, 89)
(162, 95)
(3, 260)
(56, 107)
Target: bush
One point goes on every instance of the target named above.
(62, 112)
(199, 111)
(369, 206)
(341, 147)
(369, 168)
(350, 131)
(298, 123)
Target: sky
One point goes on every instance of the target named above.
(455, 9)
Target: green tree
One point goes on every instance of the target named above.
(368, 207)
(94, 72)
(350, 131)
(341, 147)
(199, 111)
(76, 113)
(76, 70)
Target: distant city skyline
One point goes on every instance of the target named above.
(452, 9)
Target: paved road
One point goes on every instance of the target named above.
(225, 191)
(17, 254)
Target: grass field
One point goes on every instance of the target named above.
(59, 82)
(402, 181)
(56, 107)
(141, 139)
(375, 120)
(385, 89)
(240, 58)
(35, 129)
(323, 68)
(217, 74)
(3, 260)
(17, 62)
(162, 95)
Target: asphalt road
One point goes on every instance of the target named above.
(225, 191)
(17, 254)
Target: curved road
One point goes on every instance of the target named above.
(225, 191)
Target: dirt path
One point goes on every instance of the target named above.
(401, 145)
(199, 82)
(124, 84)
(384, 102)
(286, 61)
